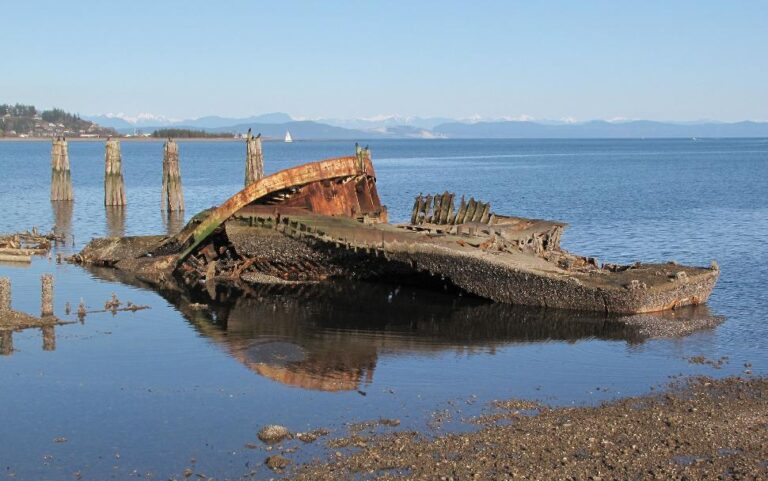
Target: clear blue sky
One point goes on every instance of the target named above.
(665, 60)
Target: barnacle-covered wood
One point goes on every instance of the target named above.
(114, 185)
(61, 178)
(172, 197)
(254, 159)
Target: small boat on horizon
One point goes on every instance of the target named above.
(288, 138)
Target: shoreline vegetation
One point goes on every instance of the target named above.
(699, 428)
(23, 121)
(190, 134)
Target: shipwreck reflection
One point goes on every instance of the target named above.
(329, 336)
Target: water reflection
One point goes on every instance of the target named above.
(49, 338)
(48, 333)
(115, 220)
(6, 342)
(173, 221)
(62, 218)
(330, 336)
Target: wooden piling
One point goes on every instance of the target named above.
(61, 179)
(5, 294)
(46, 297)
(114, 185)
(254, 159)
(172, 194)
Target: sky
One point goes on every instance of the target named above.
(580, 59)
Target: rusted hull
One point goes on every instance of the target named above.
(338, 168)
(324, 219)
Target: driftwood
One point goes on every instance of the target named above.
(15, 258)
(254, 159)
(61, 179)
(172, 194)
(114, 185)
(21, 246)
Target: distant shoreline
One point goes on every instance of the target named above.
(128, 139)
(366, 139)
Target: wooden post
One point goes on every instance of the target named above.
(61, 180)
(254, 159)
(5, 294)
(172, 195)
(46, 297)
(114, 185)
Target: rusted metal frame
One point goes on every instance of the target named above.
(303, 174)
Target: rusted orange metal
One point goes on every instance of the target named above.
(337, 169)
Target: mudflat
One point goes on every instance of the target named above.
(701, 429)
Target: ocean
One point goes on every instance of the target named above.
(150, 393)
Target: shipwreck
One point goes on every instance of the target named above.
(324, 220)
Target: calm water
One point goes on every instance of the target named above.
(146, 393)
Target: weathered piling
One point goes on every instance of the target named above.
(46, 297)
(5, 294)
(114, 185)
(61, 179)
(172, 195)
(254, 159)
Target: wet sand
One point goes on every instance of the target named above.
(702, 429)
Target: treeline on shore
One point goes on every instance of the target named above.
(189, 134)
(20, 119)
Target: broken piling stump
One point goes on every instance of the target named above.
(172, 194)
(114, 185)
(61, 179)
(254, 159)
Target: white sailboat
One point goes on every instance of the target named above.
(288, 138)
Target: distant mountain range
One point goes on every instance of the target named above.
(274, 125)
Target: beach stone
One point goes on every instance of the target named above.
(273, 433)
(277, 462)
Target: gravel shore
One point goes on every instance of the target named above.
(702, 429)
